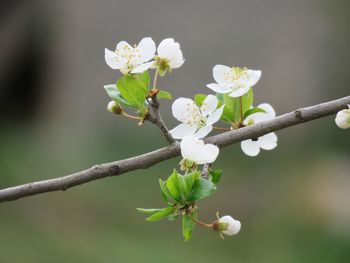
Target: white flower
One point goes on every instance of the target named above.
(228, 226)
(196, 151)
(195, 120)
(268, 141)
(235, 80)
(130, 59)
(343, 118)
(169, 54)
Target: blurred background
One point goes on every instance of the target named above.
(293, 202)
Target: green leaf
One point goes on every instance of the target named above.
(253, 110)
(144, 78)
(232, 109)
(190, 178)
(133, 90)
(164, 191)
(162, 94)
(161, 214)
(199, 98)
(172, 184)
(201, 189)
(182, 186)
(114, 93)
(188, 225)
(215, 175)
(148, 211)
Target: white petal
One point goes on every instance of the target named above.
(219, 72)
(190, 147)
(250, 147)
(209, 154)
(170, 50)
(253, 77)
(234, 226)
(215, 116)
(123, 49)
(143, 67)
(240, 91)
(209, 105)
(183, 109)
(202, 132)
(343, 119)
(147, 49)
(268, 141)
(219, 88)
(182, 130)
(268, 108)
(111, 59)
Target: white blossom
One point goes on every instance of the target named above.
(195, 120)
(195, 150)
(268, 141)
(130, 59)
(235, 81)
(343, 118)
(228, 225)
(169, 54)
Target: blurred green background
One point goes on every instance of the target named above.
(293, 202)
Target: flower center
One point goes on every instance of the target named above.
(236, 74)
(130, 54)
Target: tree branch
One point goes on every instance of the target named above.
(147, 160)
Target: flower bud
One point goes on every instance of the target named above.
(227, 225)
(114, 107)
(343, 118)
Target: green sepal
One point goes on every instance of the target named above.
(172, 184)
(165, 212)
(173, 216)
(202, 188)
(162, 94)
(215, 175)
(188, 225)
(252, 111)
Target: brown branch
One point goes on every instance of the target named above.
(147, 160)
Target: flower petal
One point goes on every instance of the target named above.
(111, 59)
(209, 105)
(202, 132)
(250, 147)
(240, 91)
(147, 49)
(215, 116)
(143, 67)
(170, 50)
(253, 77)
(268, 141)
(219, 73)
(219, 88)
(184, 110)
(182, 130)
(190, 147)
(268, 108)
(209, 154)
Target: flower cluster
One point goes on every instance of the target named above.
(232, 104)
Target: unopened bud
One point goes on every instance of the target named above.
(227, 225)
(114, 107)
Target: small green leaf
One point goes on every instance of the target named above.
(199, 98)
(114, 93)
(161, 214)
(253, 110)
(190, 178)
(144, 78)
(148, 211)
(215, 175)
(172, 184)
(201, 189)
(188, 225)
(133, 90)
(162, 94)
(182, 186)
(164, 191)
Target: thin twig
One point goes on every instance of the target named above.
(205, 171)
(147, 160)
